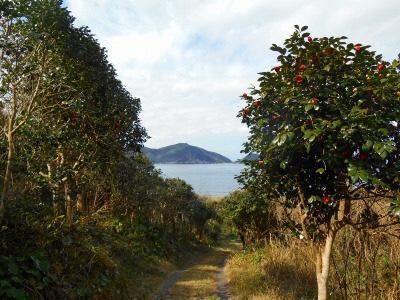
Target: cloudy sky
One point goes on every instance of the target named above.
(189, 60)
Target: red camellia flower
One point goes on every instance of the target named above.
(314, 101)
(258, 103)
(381, 67)
(260, 163)
(117, 125)
(357, 47)
(244, 95)
(363, 155)
(309, 39)
(302, 67)
(299, 79)
(277, 69)
(326, 199)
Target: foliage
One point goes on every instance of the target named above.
(252, 216)
(325, 125)
(324, 122)
(76, 191)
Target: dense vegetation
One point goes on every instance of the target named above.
(80, 205)
(84, 214)
(325, 124)
(183, 153)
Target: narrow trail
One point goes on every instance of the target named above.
(222, 283)
(204, 278)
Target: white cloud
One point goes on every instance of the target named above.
(188, 60)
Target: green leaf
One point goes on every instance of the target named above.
(395, 206)
(367, 145)
(313, 199)
(304, 28)
(336, 123)
(320, 171)
(384, 131)
(40, 263)
(357, 173)
(283, 164)
(309, 107)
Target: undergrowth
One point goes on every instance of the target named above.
(100, 257)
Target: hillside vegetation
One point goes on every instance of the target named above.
(183, 154)
(84, 214)
(79, 217)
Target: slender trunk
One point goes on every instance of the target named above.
(69, 203)
(323, 254)
(80, 203)
(56, 200)
(10, 153)
(94, 203)
(173, 226)
(7, 175)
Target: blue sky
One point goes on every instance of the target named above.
(190, 60)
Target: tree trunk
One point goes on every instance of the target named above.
(7, 175)
(56, 200)
(323, 254)
(69, 204)
(80, 203)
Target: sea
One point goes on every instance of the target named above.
(216, 180)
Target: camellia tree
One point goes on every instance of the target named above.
(325, 124)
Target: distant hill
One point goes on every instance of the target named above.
(249, 157)
(183, 153)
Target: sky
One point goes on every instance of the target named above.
(190, 60)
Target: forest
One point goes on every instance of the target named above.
(85, 215)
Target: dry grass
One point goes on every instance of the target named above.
(200, 280)
(273, 272)
(364, 266)
(211, 199)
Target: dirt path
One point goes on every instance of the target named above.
(222, 284)
(204, 278)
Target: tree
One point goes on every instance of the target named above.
(250, 214)
(325, 123)
(30, 79)
(61, 96)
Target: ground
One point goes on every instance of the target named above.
(203, 277)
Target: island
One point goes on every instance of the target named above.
(249, 157)
(183, 153)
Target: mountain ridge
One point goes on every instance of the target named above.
(183, 153)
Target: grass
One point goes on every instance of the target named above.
(199, 280)
(87, 260)
(274, 272)
(363, 266)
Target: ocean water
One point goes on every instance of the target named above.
(206, 179)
